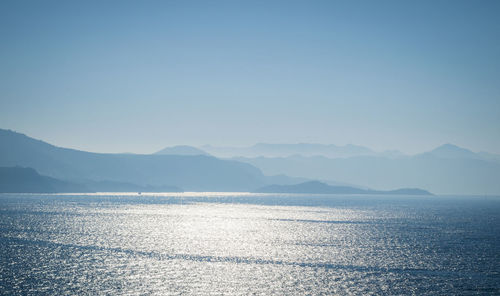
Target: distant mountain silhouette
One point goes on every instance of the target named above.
(182, 150)
(27, 180)
(445, 170)
(284, 150)
(192, 173)
(453, 151)
(315, 187)
(110, 186)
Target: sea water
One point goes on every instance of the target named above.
(240, 244)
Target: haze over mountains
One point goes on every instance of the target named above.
(191, 173)
(35, 162)
(282, 150)
(27, 180)
(447, 169)
(315, 187)
(181, 150)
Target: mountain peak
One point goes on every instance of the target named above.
(316, 187)
(452, 151)
(181, 150)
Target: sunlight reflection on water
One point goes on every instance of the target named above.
(243, 243)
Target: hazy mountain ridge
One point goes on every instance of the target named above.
(315, 187)
(447, 169)
(198, 173)
(453, 151)
(283, 150)
(28, 180)
(181, 150)
(460, 171)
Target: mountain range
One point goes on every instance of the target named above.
(27, 180)
(283, 150)
(181, 150)
(187, 172)
(448, 169)
(315, 187)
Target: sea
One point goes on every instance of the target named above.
(248, 244)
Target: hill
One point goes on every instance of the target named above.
(315, 187)
(189, 172)
(447, 169)
(27, 180)
(284, 150)
(181, 150)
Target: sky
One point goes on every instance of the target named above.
(136, 76)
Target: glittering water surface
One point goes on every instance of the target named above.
(210, 243)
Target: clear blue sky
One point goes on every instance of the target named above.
(117, 76)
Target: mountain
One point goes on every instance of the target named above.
(27, 180)
(181, 150)
(110, 186)
(453, 151)
(315, 187)
(284, 150)
(447, 169)
(189, 172)
(444, 170)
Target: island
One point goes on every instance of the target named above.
(316, 187)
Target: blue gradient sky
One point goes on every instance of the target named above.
(137, 76)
